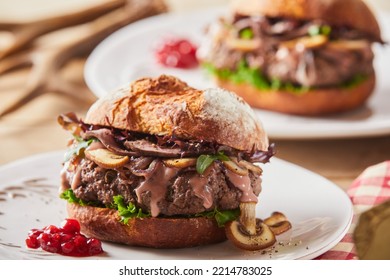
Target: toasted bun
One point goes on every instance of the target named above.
(104, 224)
(168, 106)
(313, 102)
(351, 13)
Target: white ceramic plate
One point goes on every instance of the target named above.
(128, 54)
(319, 211)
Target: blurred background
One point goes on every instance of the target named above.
(33, 128)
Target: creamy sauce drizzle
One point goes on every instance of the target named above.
(156, 184)
(95, 145)
(243, 183)
(76, 181)
(201, 189)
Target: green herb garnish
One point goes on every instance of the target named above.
(205, 161)
(77, 149)
(247, 34)
(128, 211)
(221, 216)
(315, 30)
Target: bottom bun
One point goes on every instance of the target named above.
(104, 224)
(313, 102)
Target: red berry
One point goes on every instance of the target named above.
(94, 246)
(32, 242)
(67, 248)
(65, 237)
(51, 229)
(70, 226)
(66, 240)
(178, 53)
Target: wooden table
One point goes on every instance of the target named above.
(33, 129)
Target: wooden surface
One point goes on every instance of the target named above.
(33, 129)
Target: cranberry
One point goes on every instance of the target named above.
(65, 237)
(66, 240)
(67, 248)
(179, 53)
(70, 226)
(94, 246)
(32, 242)
(51, 229)
(32, 238)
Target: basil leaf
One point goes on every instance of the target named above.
(326, 30)
(222, 157)
(246, 33)
(129, 211)
(315, 30)
(77, 149)
(204, 161)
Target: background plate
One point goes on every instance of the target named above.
(320, 213)
(128, 54)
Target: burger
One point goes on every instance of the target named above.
(161, 164)
(296, 57)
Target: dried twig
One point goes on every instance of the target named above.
(46, 62)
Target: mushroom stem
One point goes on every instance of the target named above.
(248, 217)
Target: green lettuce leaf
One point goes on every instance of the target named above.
(254, 77)
(69, 196)
(221, 216)
(128, 211)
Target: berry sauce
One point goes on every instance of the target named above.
(65, 240)
(177, 53)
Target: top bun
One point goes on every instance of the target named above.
(352, 13)
(168, 106)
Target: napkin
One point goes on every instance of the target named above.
(371, 188)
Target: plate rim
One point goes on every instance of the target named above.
(375, 129)
(310, 255)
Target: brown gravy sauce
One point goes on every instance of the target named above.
(243, 183)
(156, 184)
(201, 189)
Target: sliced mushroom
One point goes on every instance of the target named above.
(263, 238)
(348, 44)
(106, 158)
(234, 167)
(180, 162)
(308, 42)
(250, 166)
(278, 223)
(245, 45)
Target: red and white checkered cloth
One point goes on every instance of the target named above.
(371, 188)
